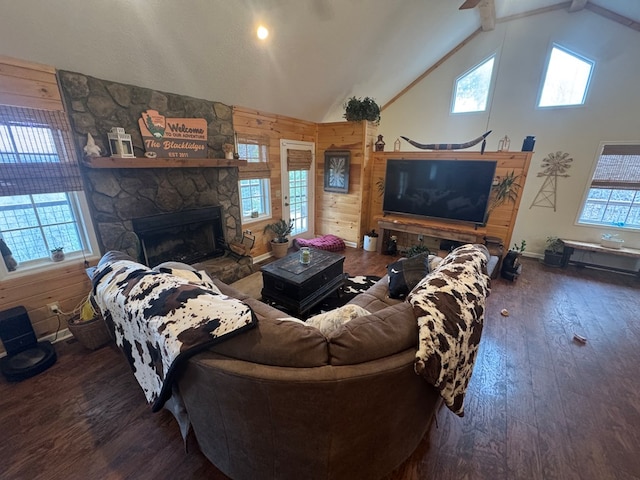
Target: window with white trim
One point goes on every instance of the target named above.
(41, 204)
(566, 80)
(613, 198)
(254, 184)
(471, 92)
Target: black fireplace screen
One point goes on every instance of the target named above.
(188, 236)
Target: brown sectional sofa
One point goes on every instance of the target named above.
(284, 401)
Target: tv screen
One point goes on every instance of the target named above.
(444, 189)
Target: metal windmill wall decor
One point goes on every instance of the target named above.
(554, 166)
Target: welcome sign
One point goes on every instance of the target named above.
(173, 137)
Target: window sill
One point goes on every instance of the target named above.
(249, 220)
(48, 265)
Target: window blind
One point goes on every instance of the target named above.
(298, 159)
(254, 149)
(36, 152)
(618, 167)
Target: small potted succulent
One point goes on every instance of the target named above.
(280, 242)
(553, 252)
(57, 254)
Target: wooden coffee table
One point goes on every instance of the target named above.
(298, 287)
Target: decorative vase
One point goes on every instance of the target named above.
(380, 144)
(57, 255)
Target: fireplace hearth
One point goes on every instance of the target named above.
(189, 236)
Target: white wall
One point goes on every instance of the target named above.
(611, 113)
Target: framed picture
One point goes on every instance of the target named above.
(336, 170)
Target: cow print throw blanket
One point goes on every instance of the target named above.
(449, 305)
(161, 318)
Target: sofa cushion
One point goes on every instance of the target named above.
(385, 332)
(376, 297)
(330, 321)
(273, 341)
(406, 273)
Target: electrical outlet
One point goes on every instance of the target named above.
(420, 238)
(54, 308)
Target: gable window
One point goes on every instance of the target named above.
(471, 92)
(41, 204)
(254, 184)
(566, 80)
(613, 199)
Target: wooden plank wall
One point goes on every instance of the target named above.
(501, 222)
(339, 213)
(32, 85)
(25, 84)
(276, 127)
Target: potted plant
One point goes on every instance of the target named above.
(553, 252)
(57, 254)
(371, 241)
(280, 242)
(511, 266)
(503, 191)
(357, 109)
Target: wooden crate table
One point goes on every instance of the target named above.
(571, 245)
(298, 287)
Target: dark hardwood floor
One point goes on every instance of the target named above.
(539, 406)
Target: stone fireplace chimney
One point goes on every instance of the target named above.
(117, 196)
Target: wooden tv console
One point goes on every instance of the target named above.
(457, 232)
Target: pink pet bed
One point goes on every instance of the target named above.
(325, 242)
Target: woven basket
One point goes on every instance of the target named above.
(92, 334)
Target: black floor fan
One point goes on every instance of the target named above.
(26, 356)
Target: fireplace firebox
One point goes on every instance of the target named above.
(189, 236)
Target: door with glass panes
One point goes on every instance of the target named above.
(298, 163)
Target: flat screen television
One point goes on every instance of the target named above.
(456, 190)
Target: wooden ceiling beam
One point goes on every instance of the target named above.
(487, 9)
(621, 19)
(577, 5)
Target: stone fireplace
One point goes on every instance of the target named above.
(189, 236)
(120, 198)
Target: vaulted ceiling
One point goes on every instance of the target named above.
(318, 53)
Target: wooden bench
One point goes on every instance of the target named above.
(571, 245)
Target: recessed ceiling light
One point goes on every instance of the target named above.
(262, 32)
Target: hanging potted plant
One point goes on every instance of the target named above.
(553, 252)
(357, 109)
(280, 242)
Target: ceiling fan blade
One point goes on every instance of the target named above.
(469, 4)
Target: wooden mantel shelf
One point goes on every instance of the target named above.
(144, 162)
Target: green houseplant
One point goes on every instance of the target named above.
(357, 109)
(553, 252)
(280, 242)
(505, 190)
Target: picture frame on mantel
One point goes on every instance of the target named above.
(336, 170)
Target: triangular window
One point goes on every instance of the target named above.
(471, 92)
(567, 79)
